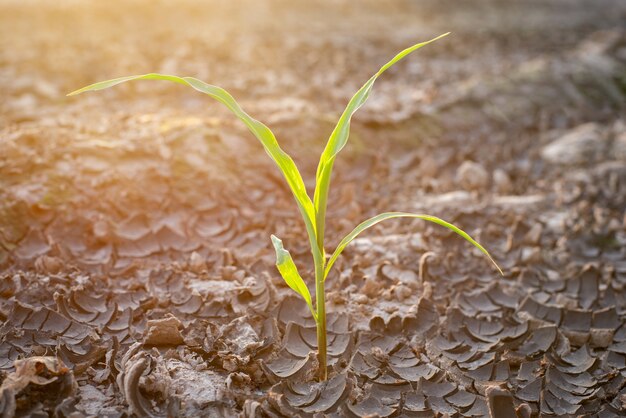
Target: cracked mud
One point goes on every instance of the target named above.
(136, 272)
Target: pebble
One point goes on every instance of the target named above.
(165, 331)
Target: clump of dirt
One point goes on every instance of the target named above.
(37, 384)
(137, 275)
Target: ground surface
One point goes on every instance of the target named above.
(135, 223)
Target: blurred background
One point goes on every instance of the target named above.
(513, 127)
(510, 72)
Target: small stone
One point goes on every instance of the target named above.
(472, 176)
(165, 331)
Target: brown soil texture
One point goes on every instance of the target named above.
(137, 276)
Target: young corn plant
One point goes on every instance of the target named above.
(313, 211)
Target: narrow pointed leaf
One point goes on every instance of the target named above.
(339, 138)
(289, 272)
(389, 215)
(262, 132)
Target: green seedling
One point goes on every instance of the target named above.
(313, 211)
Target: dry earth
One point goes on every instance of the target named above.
(136, 271)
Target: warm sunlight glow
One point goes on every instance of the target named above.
(269, 208)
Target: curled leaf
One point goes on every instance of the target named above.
(289, 272)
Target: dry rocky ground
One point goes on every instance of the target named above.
(136, 271)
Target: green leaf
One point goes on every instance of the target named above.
(262, 132)
(389, 215)
(289, 272)
(339, 138)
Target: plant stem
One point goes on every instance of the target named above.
(321, 321)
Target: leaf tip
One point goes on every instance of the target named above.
(499, 270)
(281, 253)
(276, 241)
(495, 264)
(443, 35)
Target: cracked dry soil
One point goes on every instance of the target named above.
(136, 272)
